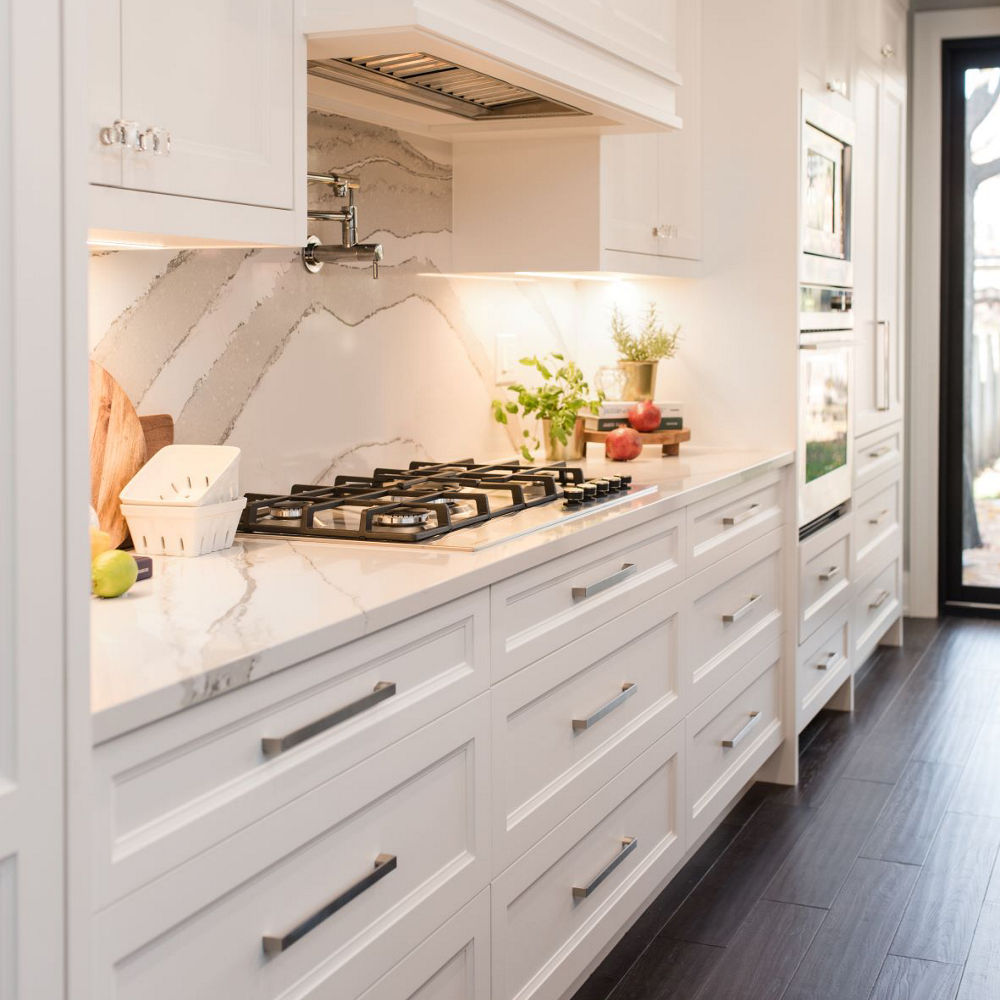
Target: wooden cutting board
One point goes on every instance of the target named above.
(117, 449)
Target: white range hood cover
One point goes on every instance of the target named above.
(379, 60)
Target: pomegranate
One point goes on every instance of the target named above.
(622, 445)
(645, 416)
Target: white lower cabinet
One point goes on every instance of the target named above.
(730, 735)
(170, 791)
(567, 724)
(736, 609)
(452, 964)
(564, 900)
(826, 567)
(323, 896)
(876, 607)
(332, 831)
(823, 664)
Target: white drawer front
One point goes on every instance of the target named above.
(877, 453)
(730, 735)
(200, 931)
(545, 930)
(720, 525)
(877, 606)
(823, 664)
(877, 520)
(735, 612)
(542, 609)
(452, 964)
(573, 720)
(171, 790)
(825, 574)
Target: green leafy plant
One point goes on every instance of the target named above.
(559, 399)
(653, 342)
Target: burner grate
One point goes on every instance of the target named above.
(421, 502)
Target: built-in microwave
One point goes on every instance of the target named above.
(825, 449)
(827, 147)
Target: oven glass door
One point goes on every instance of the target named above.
(825, 453)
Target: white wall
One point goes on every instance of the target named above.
(929, 30)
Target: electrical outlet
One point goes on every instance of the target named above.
(505, 358)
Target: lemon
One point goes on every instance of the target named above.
(100, 541)
(113, 572)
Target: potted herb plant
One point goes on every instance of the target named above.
(557, 402)
(639, 354)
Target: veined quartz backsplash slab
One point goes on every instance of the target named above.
(310, 373)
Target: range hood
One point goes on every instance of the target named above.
(459, 68)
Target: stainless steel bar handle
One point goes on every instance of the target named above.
(629, 844)
(879, 600)
(629, 688)
(879, 452)
(272, 745)
(882, 365)
(827, 661)
(274, 945)
(829, 573)
(736, 615)
(627, 570)
(735, 519)
(742, 734)
(879, 517)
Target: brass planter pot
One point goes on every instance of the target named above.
(573, 450)
(640, 379)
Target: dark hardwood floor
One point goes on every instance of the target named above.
(876, 878)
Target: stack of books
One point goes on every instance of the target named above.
(614, 413)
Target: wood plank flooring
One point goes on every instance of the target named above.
(877, 878)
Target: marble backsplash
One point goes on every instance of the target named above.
(336, 371)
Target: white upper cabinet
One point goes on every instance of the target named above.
(826, 48)
(878, 236)
(658, 210)
(881, 34)
(627, 203)
(640, 31)
(195, 99)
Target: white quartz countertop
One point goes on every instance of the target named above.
(204, 626)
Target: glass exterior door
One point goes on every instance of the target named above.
(970, 356)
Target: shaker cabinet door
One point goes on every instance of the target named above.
(217, 75)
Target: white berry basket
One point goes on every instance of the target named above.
(173, 530)
(187, 475)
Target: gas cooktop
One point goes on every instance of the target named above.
(460, 505)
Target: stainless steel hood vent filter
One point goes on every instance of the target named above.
(440, 84)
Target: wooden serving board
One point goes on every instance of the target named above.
(670, 440)
(158, 430)
(117, 449)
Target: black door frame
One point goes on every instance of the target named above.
(957, 56)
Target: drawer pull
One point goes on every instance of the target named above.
(627, 570)
(879, 452)
(829, 573)
(879, 517)
(827, 661)
(384, 864)
(629, 688)
(629, 844)
(730, 522)
(272, 745)
(742, 734)
(736, 615)
(879, 600)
